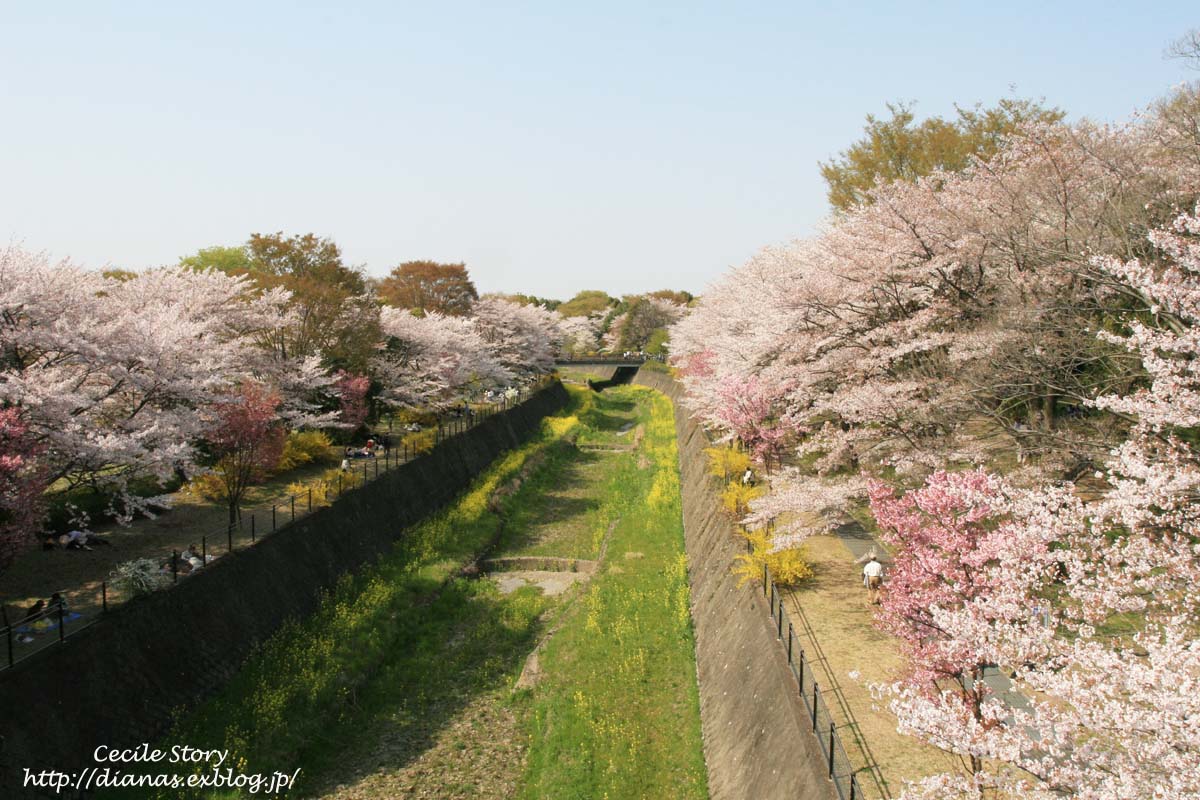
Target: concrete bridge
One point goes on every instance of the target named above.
(604, 361)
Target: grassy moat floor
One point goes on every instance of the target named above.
(415, 679)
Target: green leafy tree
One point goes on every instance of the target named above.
(899, 149)
(230, 260)
(336, 316)
(586, 303)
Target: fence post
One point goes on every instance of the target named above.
(252, 531)
(831, 735)
(293, 499)
(802, 671)
(779, 619)
(310, 499)
(789, 642)
(406, 452)
(764, 579)
(853, 787)
(229, 533)
(816, 699)
(272, 518)
(175, 560)
(104, 596)
(62, 623)
(364, 473)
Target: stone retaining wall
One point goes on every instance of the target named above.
(758, 742)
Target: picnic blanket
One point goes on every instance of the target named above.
(47, 623)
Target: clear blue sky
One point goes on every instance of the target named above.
(553, 147)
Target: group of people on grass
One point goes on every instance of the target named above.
(73, 540)
(370, 450)
(186, 562)
(40, 617)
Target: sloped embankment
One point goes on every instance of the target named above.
(757, 739)
(118, 682)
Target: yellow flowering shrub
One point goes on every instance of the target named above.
(788, 567)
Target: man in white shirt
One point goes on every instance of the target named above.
(873, 579)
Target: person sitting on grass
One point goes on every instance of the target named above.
(74, 540)
(193, 556)
(33, 610)
(173, 564)
(30, 621)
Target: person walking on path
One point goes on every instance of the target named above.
(873, 579)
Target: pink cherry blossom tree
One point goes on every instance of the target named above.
(524, 339)
(113, 374)
(21, 486)
(246, 439)
(433, 360)
(1089, 602)
(352, 396)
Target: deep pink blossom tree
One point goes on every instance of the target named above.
(352, 396)
(246, 439)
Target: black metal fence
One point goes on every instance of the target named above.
(53, 624)
(841, 771)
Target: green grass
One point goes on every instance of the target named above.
(607, 417)
(617, 714)
(403, 678)
(562, 514)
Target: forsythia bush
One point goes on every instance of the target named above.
(205, 486)
(304, 447)
(788, 567)
(727, 462)
(325, 486)
(737, 496)
(420, 442)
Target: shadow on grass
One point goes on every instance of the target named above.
(551, 499)
(621, 375)
(466, 644)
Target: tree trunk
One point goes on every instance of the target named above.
(1048, 403)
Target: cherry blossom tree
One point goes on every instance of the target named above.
(113, 374)
(940, 537)
(1018, 297)
(580, 334)
(433, 360)
(524, 339)
(246, 440)
(21, 486)
(352, 397)
(1089, 602)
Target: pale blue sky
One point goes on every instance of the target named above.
(551, 146)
